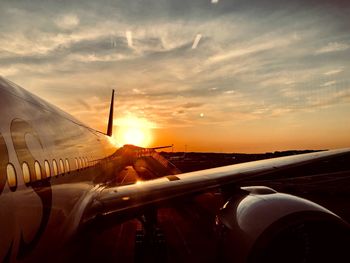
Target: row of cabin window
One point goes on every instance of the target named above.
(64, 167)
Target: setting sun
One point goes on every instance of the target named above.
(133, 130)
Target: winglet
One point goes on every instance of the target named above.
(110, 119)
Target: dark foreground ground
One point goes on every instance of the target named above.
(187, 225)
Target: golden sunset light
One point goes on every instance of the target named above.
(160, 131)
(213, 77)
(133, 130)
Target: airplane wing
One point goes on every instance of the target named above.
(114, 202)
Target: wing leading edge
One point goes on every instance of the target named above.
(121, 200)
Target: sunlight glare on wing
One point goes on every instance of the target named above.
(138, 182)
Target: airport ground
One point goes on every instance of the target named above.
(186, 227)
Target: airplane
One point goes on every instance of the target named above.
(57, 180)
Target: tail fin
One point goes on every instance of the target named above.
(110, 119)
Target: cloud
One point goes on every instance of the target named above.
(333, 98)
(8, 71)
(329, 83)
(190, 105)
(334, 71)
(265, 43)
(245, 54)
(67, 21)
(84, 104)
(137, 91)
(333, 47)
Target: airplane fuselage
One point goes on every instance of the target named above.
(43, 150)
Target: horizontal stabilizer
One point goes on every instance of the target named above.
(161, 147)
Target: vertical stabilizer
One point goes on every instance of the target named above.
(110, 119)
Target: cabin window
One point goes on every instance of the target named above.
(67, 166)
(55, 167)
(80, 163)
(37, 169)
(61, 166)
(26, 173)
(76, 164)
(11, 176)
(47, 169)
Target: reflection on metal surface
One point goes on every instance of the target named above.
(138, 182)
(279, 205)
(33, 150)
(37, 169)
(11, 176)
(20, 131)
(26, 173)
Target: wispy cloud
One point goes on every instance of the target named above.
(333, 47)
(329, 83)
(190, 105)
(260, 45)
(334, 71)
(67, 21)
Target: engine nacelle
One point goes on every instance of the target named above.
(261, 225)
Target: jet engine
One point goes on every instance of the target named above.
(260, 225)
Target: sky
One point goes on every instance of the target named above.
(204, 75)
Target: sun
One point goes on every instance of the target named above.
(134, 135)
(133, 130)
